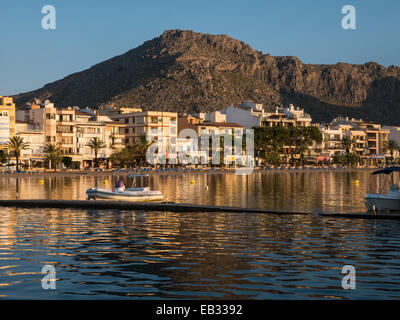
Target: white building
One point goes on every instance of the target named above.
(331, 142)
(286, 117)
(161, 127)
(247, 115)
(72, 129)
(4, 127)
(215, 116)
(35, 139)
(395, 136)
(251, 115)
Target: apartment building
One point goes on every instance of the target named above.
(246, 114)
(376, 137)
(214, 116)
(36, 139)
(373, 138)
(157, 126)
(395, 136)
(7, 120)
(192, 128)
(286, 117)
(359, 141)
(4, 128)
(331, 145)
(93, 124)
(251, 115)
(72, 129)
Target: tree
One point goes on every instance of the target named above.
(353, 159)
(140, 148)
(269, 141)
(273, 158)
(350, 159)
(306, 137)
(340, 159)
(347, 143)
(293, 139)
(96, 144)
(391, 146)
(67, 161)
(123, 158)
(53, 155)
(17, 144)
(3, 156)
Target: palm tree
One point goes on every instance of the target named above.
(347, 143)
(53, 154)
(3, 156)
(123, 157)
(17, 144)
(96, 144)
(391, 146)
(140, 148)
(307, 136)
(292, 140)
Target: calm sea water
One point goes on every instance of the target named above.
(109, 254)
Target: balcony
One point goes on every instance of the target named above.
(118, 146)
(117, 135)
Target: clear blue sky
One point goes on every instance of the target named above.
(90, 31)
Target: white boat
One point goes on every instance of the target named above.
(129, 194)
(385, 201)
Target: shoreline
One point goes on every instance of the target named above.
(122, 172)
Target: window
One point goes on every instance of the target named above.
(126, 120)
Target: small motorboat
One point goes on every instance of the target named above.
(387, 197)
(129, 194)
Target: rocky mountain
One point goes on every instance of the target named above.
(185, 71)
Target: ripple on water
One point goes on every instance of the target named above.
(138, 254)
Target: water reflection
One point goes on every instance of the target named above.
(328, 191)
(121, 254)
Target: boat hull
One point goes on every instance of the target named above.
(381, 202)
(146, 195)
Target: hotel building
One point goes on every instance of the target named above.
(373, 137)
(71, 129)
(251, 115)
(192, 128)
(7, 120)
(158, 126)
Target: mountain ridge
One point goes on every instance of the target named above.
(186, 71)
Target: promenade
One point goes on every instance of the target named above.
(162, 171)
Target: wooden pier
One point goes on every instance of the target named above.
(178, 207)
(122, 205)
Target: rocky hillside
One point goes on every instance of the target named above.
(186, 71)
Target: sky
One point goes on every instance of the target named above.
(91, 31)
